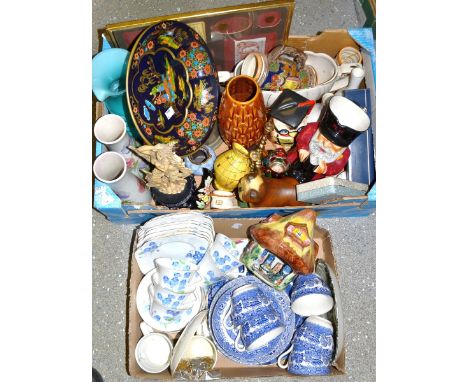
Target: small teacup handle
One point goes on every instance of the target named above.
(281, 356)
(226, 317)
(237, 344)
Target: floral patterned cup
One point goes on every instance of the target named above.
(162, 313)
(176, 275)
(170, 299)
(225, 253)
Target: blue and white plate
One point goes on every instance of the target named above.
(224, 338)
(162, 323)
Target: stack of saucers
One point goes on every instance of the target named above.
(182, 235)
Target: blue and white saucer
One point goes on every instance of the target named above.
(224, 337)
(163, 323)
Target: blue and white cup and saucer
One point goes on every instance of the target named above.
(253, 317)
(312, 348)
(310, 295)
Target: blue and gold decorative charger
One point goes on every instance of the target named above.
(172, 86)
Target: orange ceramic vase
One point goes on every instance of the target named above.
(242, 113)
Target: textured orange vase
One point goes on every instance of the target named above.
(242, 113)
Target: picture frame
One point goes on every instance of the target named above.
(229, 32)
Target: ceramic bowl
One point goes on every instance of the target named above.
(153, 352)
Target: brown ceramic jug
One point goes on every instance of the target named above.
(242, 113)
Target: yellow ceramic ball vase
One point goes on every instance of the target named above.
(230, 167)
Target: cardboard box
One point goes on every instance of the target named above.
(329, 42)
(235, 229)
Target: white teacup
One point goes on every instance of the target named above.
(224, 253)
(177, 275)
(172, 300)
(153, 352)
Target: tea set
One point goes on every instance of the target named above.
(196, 281)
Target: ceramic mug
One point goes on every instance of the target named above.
(172, 300)
(311, 296)
(312, 348)
(153, 352)
(224, 253)
(223, 200)
(262, 327)
(245, 301)
(176, 274)
(111, 168)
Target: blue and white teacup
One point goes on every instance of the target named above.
(311, 296)
(246, 301)
(177, 275)
(312, 348)
(173, 300)
(262, 327)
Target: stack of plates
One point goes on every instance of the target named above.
(180, 235)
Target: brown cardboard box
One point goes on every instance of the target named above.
(329, 42)
(234, 228)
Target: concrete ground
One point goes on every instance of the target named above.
(353, 238)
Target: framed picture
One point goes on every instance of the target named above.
(230, 32)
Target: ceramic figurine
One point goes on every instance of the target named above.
(261, 191)
(289, 238)
(322, 147)
(169, 173)
(242, 113)
(276, 162)
(230, 167)
(266, 266)
(288, 114)
(203, 197)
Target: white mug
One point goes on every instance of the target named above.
(111, 168)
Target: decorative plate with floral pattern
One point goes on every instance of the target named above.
(172, 86)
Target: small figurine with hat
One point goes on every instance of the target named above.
(287, 116)
(322, 147)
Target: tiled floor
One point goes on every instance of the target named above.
(353, 239)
